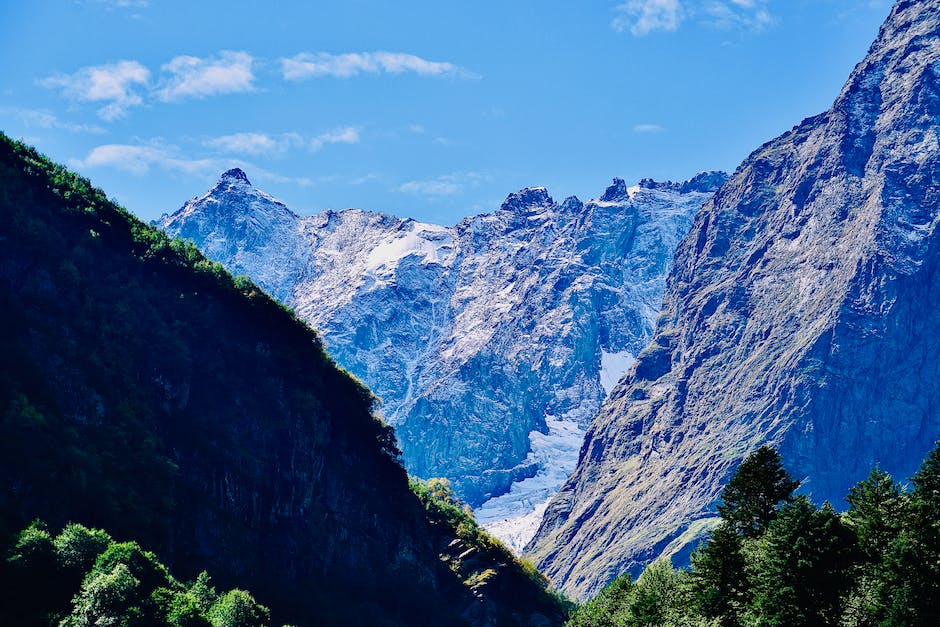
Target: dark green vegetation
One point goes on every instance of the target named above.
(145, 391)
(83, 578)
(482, 562)
(777, 560)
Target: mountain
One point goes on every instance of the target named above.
(146, 391)
(491, 343)
(801, 311)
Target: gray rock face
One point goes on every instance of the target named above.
(492, 343)
(802, 310)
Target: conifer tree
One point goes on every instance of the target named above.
(718, 580)
(802, 567)
(749, 501)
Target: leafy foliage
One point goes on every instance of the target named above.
(117, 584)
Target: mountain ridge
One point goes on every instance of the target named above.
(488, 340)
(794, 314)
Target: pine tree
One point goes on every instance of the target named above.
(877, 508)
(749, 501)
(912, 565)
(802, 567)
(718, 579)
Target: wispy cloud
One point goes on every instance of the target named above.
(43, 118)
(274, 144)
(343, 135)
(446, 185)
(641, 17)
(644, 16)
(155, 154)
(139, 159)
(430, 188)
(648, 128)
(126, 84)
(255, 143)
(125, 4)
(194, 77)
(119, 85)
(313, 65)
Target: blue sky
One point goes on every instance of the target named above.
(434, 110)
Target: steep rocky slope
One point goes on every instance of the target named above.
(145, 390)
(492, 343)
(801, 310)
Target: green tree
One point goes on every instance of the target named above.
(802, 567)
(912, 565)
(609, 608)
(718, 580)
(78, 547)
(877, 508)
(237, 608)
(760, 483)
(204, 592)
(108, 598)
(660, 597)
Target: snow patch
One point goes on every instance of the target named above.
(427, 240)
(613, 367)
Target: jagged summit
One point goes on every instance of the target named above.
(701, 182)
(616, 191)
(527, 198)
(234, 175)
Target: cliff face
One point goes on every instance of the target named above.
(143, 390)
(491, 343)
(801, 310)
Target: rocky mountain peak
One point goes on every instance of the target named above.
(704, 182)
(616, 191)
(526, 199)
(235, 175)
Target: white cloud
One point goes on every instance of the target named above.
(446, 185)
(43, 118)
(737, 14)
(430, 188)
(313, 65)
(648, 128)
(117, 84)
(641, 17)
(126, 4)
(342, 135)
(194, 77)
(138, 159)
(644, 16)
(268, 144)
(255, 143)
